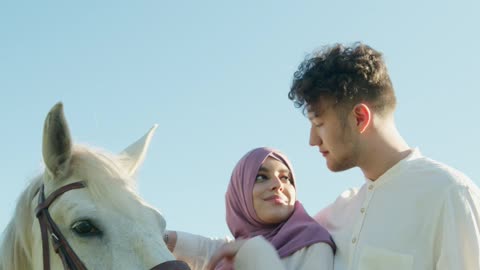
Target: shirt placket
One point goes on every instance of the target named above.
(357, 229)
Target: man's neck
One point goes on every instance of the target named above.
(385, 148)
(383, 162)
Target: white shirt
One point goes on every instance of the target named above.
(255, 254)
(418, 215)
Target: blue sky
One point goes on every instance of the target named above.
(215, 75)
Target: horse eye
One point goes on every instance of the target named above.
(85, 228)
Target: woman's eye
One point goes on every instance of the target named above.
(85, 228)
(287, 178)
(260, 178)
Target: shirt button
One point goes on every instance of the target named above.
(362, 210)
(354, 240)
(370, 187)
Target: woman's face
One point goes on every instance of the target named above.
(273, 192)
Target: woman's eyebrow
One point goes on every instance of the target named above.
(263, 169)
(286, 171)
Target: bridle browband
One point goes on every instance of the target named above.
(70, 260)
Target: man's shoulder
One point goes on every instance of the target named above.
(439, 174)
(341, 205)
(346, 197)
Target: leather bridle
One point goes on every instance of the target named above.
(70, 260)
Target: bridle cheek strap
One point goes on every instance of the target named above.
(69, 259)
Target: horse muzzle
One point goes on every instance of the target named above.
(172, 265)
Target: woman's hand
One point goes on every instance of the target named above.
(170, 239)
(227, 251)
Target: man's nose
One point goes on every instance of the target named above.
(314, 138)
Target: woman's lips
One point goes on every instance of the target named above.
(276, 199)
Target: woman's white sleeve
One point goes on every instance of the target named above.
(196, 250)
(258, 254)
(318, 256)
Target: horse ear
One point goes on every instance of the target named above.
(134, 155)
(57, 143)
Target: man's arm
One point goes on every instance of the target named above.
(459, 230)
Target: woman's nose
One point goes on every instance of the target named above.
(277, 183)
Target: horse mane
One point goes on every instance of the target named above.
(86, 163)
(17, 236)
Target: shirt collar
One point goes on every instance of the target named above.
(414, 154)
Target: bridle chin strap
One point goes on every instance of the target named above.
(70, 260)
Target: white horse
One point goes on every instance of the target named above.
(105, 224)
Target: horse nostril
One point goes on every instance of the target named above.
(172, 265)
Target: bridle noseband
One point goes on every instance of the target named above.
(70, 260)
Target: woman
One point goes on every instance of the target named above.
(262, 213)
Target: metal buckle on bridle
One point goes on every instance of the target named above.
(55, 237)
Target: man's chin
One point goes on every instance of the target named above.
(335, 167)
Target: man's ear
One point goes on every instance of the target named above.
(363, 116)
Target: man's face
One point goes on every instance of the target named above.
(334, 134)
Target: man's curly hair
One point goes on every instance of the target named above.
(349, 75)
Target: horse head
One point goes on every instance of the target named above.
(102, 220)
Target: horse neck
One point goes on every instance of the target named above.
(17, 243)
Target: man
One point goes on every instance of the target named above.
(412, 212)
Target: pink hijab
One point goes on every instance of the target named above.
(297, 232)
